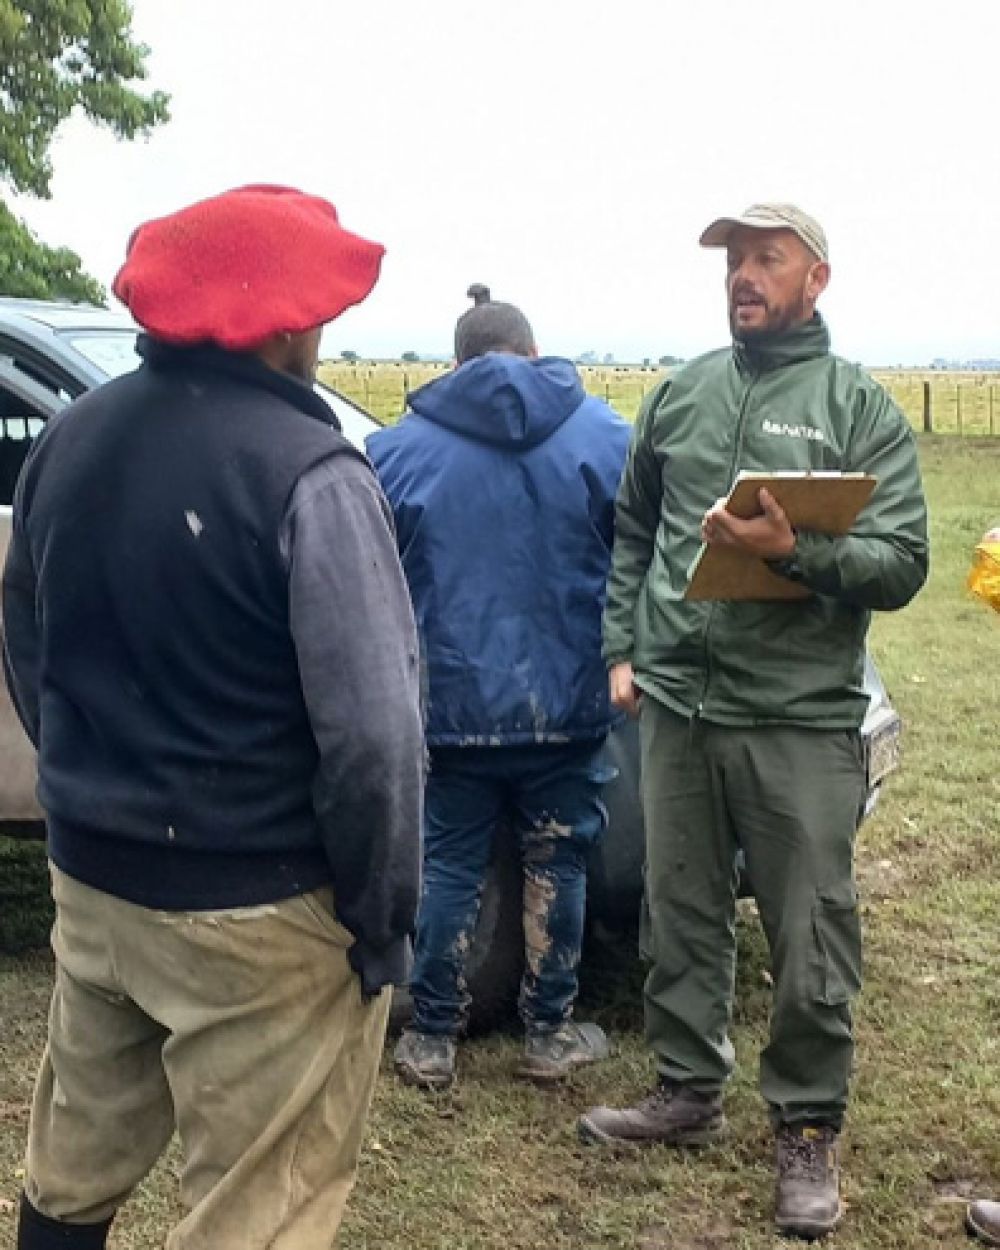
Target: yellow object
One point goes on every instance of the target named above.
(984, 576)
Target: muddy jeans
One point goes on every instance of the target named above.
(243, 1029)
(790, 797)
(552, 795)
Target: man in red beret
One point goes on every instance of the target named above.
(210, 642)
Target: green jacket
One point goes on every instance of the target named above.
(785, 403)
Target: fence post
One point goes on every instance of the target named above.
(928, 419)
(992, 431)
(958, 405)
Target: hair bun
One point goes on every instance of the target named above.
(478, 293)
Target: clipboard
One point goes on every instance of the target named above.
(826, 502)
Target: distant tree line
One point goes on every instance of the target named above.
(592, 358)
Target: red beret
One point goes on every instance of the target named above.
(243, 266)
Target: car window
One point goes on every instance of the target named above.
(26, 365)
(20, 421)
(113, 352)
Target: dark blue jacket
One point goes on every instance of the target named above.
(502, 479)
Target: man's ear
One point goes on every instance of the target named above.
(274, 351)
(816, 282)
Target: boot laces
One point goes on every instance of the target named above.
(661, 1098)
(656, 1100)
(805, 1157)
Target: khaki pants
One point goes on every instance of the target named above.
(242, 1029)
(790, 798)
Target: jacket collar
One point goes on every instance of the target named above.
(241, 367)
(787, 347)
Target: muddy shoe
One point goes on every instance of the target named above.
(425, 1059)
(551, 1054)
(808, 1192)
(982, 1219)
(672, 1115)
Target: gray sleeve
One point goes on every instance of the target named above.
(354, 634)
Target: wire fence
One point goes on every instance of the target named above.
(963, 403)
(960, 403)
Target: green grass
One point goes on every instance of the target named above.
(496, 1166)
(25, 903)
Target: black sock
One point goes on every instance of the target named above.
(38, 1232)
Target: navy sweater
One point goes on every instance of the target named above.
(182, 763)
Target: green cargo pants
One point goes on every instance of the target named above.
(790, 798)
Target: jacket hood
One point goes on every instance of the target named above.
(503, 399)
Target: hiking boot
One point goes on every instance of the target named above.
(807, 1201)
(982, 1219)
(672, 1114)
(551, 1054)
(425, 1059)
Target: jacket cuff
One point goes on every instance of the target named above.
(789, 566)
(378, 967)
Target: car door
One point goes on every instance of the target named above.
(26, 403)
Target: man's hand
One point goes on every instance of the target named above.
(768, 535)
(625, 694)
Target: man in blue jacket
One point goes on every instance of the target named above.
(502, 478)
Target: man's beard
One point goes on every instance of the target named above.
(776, 320)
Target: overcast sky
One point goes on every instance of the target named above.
(568, 154)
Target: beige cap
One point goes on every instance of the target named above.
(770, 217)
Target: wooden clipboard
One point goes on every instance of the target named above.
(827, 503)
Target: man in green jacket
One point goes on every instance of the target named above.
(751, 710)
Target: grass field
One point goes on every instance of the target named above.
(497, 1166)
(961, 403)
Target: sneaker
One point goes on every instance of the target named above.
(982, 1219)
(808, 1187)
(551, 1054)
(425, 1059)
(672, 1114)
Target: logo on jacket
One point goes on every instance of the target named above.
(792, 431)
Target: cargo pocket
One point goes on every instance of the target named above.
(837, 938)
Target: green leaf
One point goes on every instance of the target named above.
(31, 268)
(60, 55)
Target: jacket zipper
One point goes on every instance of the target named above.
(734, 461)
